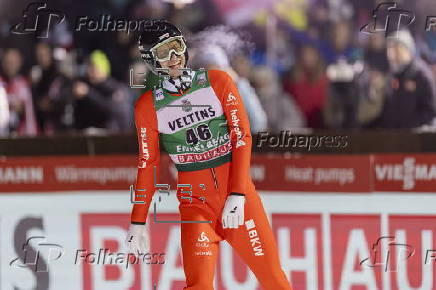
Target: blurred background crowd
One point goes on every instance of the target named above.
(297, 64)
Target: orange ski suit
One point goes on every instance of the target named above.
(254, 241)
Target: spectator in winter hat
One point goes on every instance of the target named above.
(411, 95)
(212, 56)
(100, 102)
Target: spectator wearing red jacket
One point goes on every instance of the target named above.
(308, 84)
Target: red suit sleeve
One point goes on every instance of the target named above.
(148, 159)
(239, 128)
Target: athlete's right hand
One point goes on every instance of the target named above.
(233, 212)
(138, 239)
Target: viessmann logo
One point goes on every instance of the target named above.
(21, 174)
(408, 172)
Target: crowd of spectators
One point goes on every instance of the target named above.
(319, 72)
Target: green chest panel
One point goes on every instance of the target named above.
(192, 127)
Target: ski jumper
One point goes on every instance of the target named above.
(206, 133)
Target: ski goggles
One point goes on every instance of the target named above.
(163, 51)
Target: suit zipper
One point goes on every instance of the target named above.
(215, 180)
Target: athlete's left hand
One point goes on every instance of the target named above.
(138, 239)
(233, 212)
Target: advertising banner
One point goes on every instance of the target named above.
(75, 240)
(331, 173)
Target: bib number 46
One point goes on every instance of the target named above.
(202, 132)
